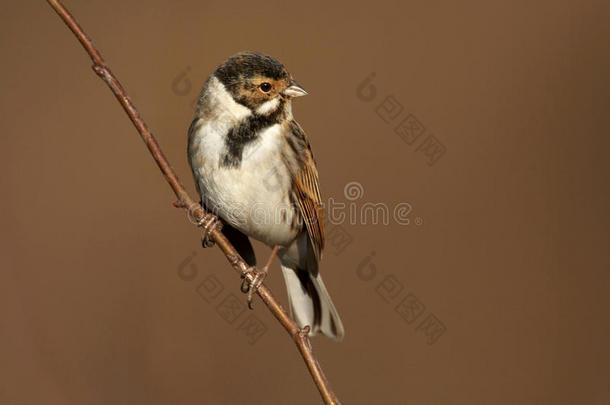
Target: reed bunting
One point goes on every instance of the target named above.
(254, 169)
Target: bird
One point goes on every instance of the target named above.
(254, 169)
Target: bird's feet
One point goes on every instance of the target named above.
(259, 276)
(208, 223)
(251, 287)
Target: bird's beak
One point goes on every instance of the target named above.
(294, 90)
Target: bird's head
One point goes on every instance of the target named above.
(258, 82)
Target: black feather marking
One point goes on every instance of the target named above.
(309, 289)
(241, 243)
(248, 131)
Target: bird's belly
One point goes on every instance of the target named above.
(254, 196)
(247, 200)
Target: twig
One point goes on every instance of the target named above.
(184, 201)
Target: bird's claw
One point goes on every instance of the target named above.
(251, 287)
(208, 223)
(304, 331)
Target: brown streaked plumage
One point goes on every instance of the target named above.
(307, 192)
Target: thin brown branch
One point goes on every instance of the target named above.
(184, 201)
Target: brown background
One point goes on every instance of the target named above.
(512, 254)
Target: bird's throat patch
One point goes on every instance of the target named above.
(245, 132)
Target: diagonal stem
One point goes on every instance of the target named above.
(272, 256)
(185, 201)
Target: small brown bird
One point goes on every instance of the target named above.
(254, 169)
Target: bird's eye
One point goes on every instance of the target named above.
(265, 87)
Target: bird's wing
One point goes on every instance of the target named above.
(305, 188)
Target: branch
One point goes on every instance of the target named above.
(103, 71)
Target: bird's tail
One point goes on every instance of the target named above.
(310, 303)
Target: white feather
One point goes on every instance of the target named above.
(268, 106)
(222, 102)
(302, 305)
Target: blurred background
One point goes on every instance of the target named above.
(485, 122)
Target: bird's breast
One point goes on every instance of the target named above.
(253, 196)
